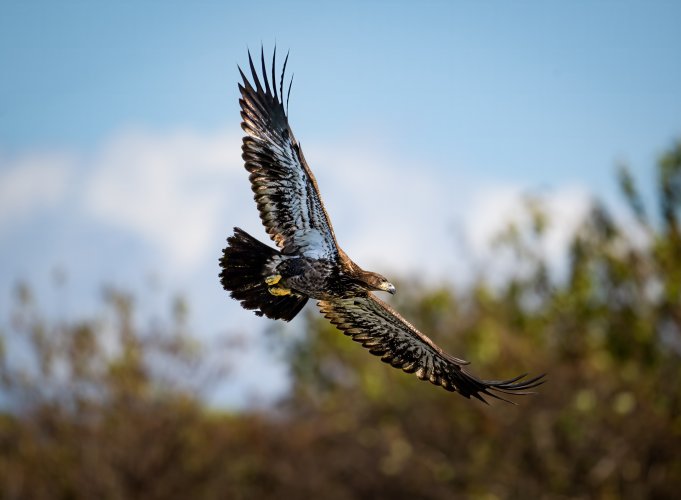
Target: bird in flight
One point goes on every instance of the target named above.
(309, 264)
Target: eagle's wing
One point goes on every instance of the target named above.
(284, 188)
(385, 333)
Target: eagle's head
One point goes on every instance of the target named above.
(375, 281)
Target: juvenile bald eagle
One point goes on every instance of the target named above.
(310, 264)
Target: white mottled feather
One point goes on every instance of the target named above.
(284, 188)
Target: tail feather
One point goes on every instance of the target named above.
(243, 275)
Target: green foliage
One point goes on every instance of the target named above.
(90, 415)
(606, 424)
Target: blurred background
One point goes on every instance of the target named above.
(515, 169)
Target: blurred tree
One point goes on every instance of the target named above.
(606, 424)
(91, 411)
(89, 414)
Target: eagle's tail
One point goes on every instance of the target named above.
(243, 275)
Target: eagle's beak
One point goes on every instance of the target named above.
(389, 287)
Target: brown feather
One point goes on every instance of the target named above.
(380, 329)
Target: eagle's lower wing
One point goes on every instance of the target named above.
(385, 333)
(284, 188)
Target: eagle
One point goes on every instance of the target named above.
(308, 263)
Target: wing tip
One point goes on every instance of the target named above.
(469, 386)
(259, 84)
(515, 386)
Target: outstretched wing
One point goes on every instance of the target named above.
(385, 333)
(284, 188)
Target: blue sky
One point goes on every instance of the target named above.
(119, 131)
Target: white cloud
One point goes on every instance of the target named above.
(389, 215)
(411, 219)
(494, 208)
(181, 192)
(31, 183)
(169, 189)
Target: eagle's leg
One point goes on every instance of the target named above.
(280, 280)
(273, 280)
(276, 290)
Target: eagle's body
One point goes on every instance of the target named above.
(320, 279)
(309, 263)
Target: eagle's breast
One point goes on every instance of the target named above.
(316, 278)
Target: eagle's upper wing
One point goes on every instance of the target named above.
(385, 333)
(284, 188)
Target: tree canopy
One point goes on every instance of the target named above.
(94, 408)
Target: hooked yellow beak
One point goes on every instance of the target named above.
(388, 287)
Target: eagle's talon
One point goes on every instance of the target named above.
(273, 280)
(279, 291)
